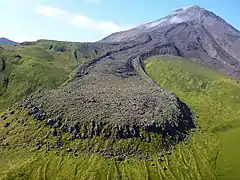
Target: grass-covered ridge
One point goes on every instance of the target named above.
(214, 99)
(38, 65)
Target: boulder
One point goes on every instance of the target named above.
(68, 150)
(6, 124)
(54, 132)
(12, 112)
(51, 122)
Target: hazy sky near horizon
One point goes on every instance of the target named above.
(91, 20)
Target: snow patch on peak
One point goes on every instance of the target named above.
(178, 16)
(184, 9)
(178, 11)
(155, 23)
(176, 20)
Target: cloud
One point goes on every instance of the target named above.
(53, 12)
(87, 23)
(80, 21)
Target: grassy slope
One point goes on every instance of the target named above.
(20, 160)
(210, 153)
(214, 99)
(39, 67)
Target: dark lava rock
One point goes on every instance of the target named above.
(68, 150)
(60, 49)
(51, 122)
(12, 112)
(40, 116)
(59, 118)
(58, 143)
(119, 158)
(54, 132)
(4, 117)
(18, 57)
(161, 159)
(57, 124)
(6, 124)
(71, 129)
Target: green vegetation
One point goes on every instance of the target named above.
(19, 158)
(214, 98)
(46, 64)
(211, 152)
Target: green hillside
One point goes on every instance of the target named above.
(43, 64)
(214, 98)
(209, 153)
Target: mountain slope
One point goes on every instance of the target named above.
(38, 65)
(111, 115)
(6, 41)
(185, 32)
(215, 101)
(196, 33)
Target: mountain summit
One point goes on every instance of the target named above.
(192, 14)
(196, 33)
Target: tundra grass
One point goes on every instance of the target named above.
(211, 152)
(25, 69)
(214, 98)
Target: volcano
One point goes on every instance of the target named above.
(113, 96)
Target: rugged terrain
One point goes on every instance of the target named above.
(104, 98)
(211, 152)
(114, 94)
(193, 33)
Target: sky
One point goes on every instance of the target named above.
(91, 20)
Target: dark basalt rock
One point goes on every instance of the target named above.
(38, 147)
(18, 57)
(58, 143)
(6, 124)
(50, 122)
(35, 112)
(61, 49)
(68, 150)
(54, 132)
(40, 116)
(4, 117)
